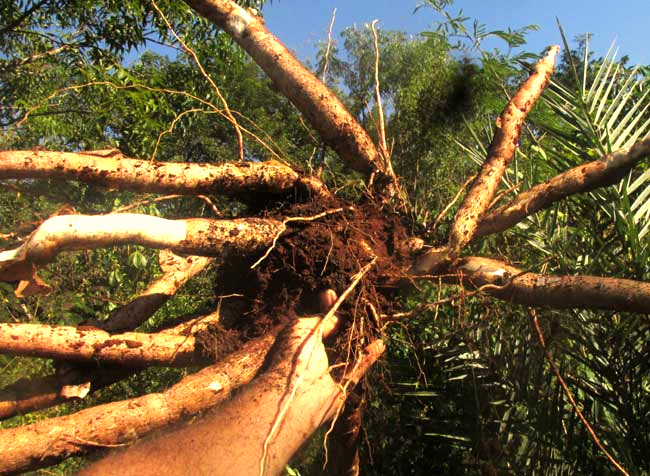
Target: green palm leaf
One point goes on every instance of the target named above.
(608, 111)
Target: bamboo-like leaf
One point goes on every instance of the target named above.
(620, 100)
(422, 393)
(597, 86)
(630, 123)
(464, 439)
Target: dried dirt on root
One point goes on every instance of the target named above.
(311, 256)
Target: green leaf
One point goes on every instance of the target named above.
(138, 260)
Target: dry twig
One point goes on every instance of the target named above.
(192, 53)
(451, 203)
(569, 395)
(327, 50)
(382, 130)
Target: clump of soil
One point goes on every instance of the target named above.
(215, 342)
(315, 255)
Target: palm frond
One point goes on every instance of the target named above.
(607, 112)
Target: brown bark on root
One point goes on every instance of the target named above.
(44, 443)
(583, 178)
(559, 292)
(75, 382)
(279, 410)
(111, 169)
(87, 344)
(36, 393)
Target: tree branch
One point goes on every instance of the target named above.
(15, 63)
(500, 154)
(583, 178)
(26, 14)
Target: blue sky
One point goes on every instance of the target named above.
(301, 24)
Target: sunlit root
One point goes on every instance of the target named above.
(46, 442)
(500, 154)
(227, 239)
(559, 292)
(88, 344)
(320, 106)
(76, 382)
(111, 169)
(583, 178)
